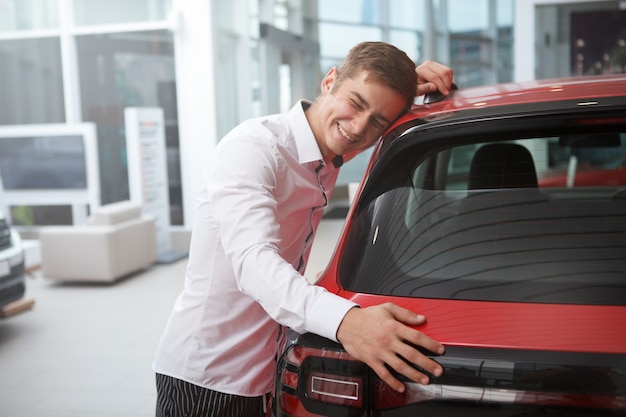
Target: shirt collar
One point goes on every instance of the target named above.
(308, 149)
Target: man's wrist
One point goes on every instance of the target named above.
(343, 320)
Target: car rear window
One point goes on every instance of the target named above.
(540, 219)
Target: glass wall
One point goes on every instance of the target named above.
(344, 24)
(57, 67)
(128, 69)
(31, 81)
(472, 44)
(474, 37)
(503, 59)
(95, 12)
(20, 15)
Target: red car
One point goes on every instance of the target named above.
(523, 278)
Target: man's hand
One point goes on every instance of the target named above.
(381, 335)
(432, 76)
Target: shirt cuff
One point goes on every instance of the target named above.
(327, 314)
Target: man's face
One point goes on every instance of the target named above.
(353, 115)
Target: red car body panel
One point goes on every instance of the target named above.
(521, 93)
(566, 328)
(535, 326)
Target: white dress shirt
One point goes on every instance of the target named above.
(261, 202)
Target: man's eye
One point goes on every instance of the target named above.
(378, 125)
(356, 105)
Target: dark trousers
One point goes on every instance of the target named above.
(176, 398)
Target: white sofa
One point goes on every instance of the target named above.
(116, 241)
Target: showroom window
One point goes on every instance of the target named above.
(21, 15)
(480, 40)
(73, 61)
(90, 12)
(31, 81)
(128, 69)
(343, 25)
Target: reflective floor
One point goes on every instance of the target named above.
(86, 350)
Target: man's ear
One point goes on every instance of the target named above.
(329, 80)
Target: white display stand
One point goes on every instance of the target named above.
(147, 173)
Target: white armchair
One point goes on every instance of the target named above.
(116, 241)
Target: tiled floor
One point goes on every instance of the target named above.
(86, 350)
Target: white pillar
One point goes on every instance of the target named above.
(71, 84)
(524, 41)
(195, 80)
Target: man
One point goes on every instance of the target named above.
(267, 184)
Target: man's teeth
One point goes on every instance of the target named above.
(344, 133)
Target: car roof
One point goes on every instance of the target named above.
(508, 97)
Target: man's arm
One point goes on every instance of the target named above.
(432, 76)
(240, 197)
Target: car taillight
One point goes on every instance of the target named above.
(335, 389)
(314, 381)
(322, 382)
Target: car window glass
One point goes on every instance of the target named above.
(533, 220)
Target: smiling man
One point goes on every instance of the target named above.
(265, 190)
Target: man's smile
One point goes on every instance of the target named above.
(345, 134)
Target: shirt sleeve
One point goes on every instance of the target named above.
(240, 184)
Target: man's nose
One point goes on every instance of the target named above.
(360, 124)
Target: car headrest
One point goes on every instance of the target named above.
(502, 165)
